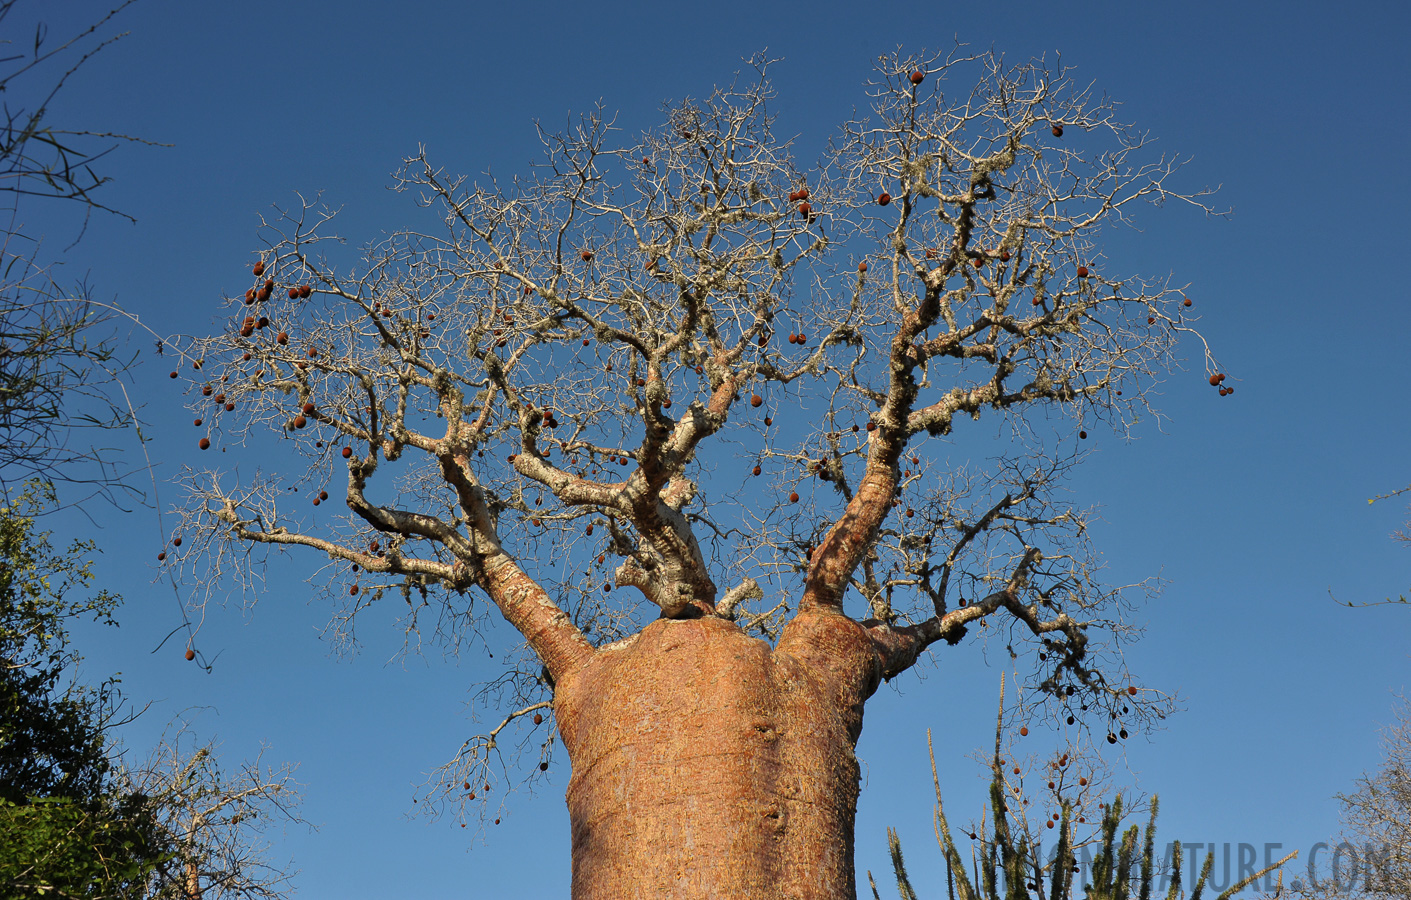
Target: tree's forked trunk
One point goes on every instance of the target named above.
(708, 765)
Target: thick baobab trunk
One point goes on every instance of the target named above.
(708, 765)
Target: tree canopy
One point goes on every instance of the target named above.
(575, 383)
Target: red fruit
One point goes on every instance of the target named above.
(293, 293)
(1214, 380)
(317, 501)
(511, 457)
(1132, 690)
(911, 513)
(1058, 131)
(1004, 256)
(1024, 732)
(793, 496)
(1050, 823)
(190, 654)
(204, 444)
(1082, 271)
(246, 356)
(854, 428)
(197, 423)
(259, 268)
(979, 261)
(323, 495)
(262, 294)
(219, 398)
(1222, 376)
(353, 590)
(803, 339)
(347, 452)
(283, 337)
(262, 322)
(871, 426)
(756, 470)
(793, 339)
(269, 284)
(918, 77)
(173, 374)
(586, 255)
(862, 267)
(805, 209)
(538, 719)
(1186, 302)
(1082, 435)
(205, 390)
(1151, 320)
(300, 421)
(161, 556)
(308, 409)
(794, 197)
(230, 407)
(305, 291)
(884, 198)
(768, 421)
(756, 400)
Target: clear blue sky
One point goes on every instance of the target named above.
(1252, 509)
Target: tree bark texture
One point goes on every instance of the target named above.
(707, 764)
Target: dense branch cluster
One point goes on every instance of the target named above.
(579, 383)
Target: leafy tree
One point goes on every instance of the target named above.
(67, 829)
(75, 818)
(571, 395)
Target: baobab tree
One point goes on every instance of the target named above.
(573, 395)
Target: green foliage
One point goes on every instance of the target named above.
(68, 828)
(51, 734)
(65, 848)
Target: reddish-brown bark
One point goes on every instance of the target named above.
(706, 764)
